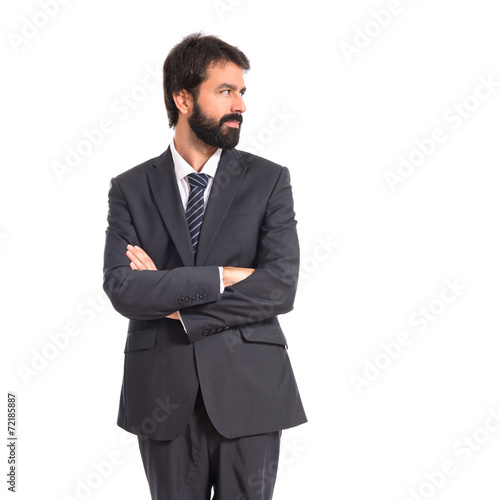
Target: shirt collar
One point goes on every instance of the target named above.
(183, 168)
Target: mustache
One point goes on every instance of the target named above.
(232, 117)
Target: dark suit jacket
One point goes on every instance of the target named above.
(234, 347)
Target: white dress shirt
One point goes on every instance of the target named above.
(182, 170)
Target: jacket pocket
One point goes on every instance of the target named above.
(268, 331)
(141, 338)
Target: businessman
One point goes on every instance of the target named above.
(201, 256)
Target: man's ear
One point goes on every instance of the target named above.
(184, 101)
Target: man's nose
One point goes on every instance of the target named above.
(238, 105)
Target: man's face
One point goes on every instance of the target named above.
(216, 118)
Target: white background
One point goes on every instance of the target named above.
(373, 258)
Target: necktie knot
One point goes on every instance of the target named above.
(198, 180)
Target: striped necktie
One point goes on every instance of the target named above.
(195, 206)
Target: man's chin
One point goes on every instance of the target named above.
(228, 139)
(226, 143)
(234, 139)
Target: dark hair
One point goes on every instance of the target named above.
(186, 66)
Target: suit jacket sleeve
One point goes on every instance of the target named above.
(148, 294)
(271, 289)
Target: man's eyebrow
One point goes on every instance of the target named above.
(230, 86)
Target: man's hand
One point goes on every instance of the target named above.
(141, 261)
(233, 275)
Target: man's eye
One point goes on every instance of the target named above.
(228, 91)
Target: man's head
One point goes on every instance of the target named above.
(203, 83)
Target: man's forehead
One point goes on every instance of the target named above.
(224, 72)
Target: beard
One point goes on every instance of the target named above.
(212, 131)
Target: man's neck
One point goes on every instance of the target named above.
(194, 151)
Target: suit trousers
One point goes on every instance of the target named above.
(187, 467)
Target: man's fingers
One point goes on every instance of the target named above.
(135, 262)
(140, 258)
(233, 275)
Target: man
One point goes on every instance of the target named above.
(201, 255)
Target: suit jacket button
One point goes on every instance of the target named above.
(202, 295)
(180, 301)
(187, 298)
(193, 297)
(205, 333)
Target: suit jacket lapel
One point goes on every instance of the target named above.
(230, 172)
(165, 190)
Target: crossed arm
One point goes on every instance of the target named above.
(249, 295)
(141, 261)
